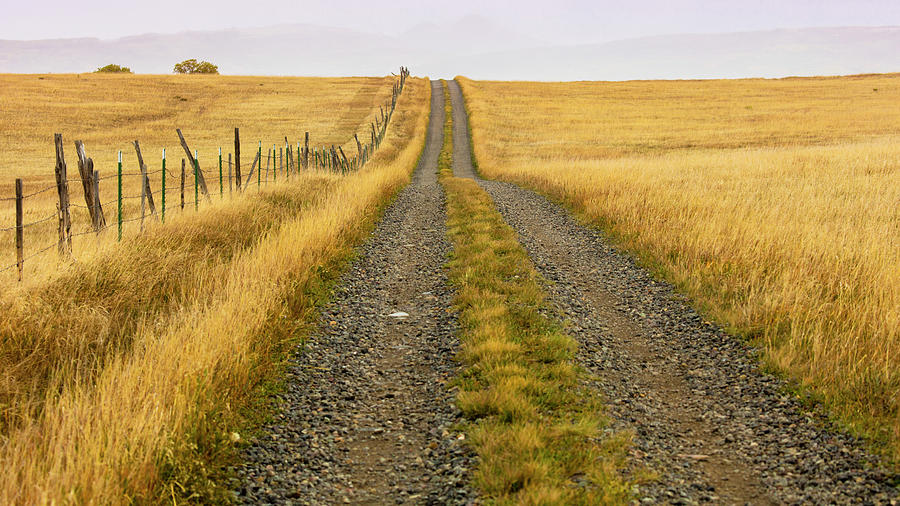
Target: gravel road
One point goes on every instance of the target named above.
(705, 418)
(367, 417)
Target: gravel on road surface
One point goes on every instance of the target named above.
(368, 416)
(705, 418)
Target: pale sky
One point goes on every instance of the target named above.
(553, 21)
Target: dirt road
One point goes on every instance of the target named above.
(705, 418)
(367, 417)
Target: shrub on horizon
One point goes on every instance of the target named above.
(193, 66)
(112, 68)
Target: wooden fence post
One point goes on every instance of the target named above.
(163, 193)
(306, 152)
(143, 198)
(237, 157)
(182, 184)
(268, 157)
(119, 206)
(97, 226)
(62, 188)
(229, 174)
(252, 169)
(200, 179)
(345, 166)
(20, 231)
(221, 185)
(145, 183)
(86, 171)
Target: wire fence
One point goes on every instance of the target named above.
(281, 161)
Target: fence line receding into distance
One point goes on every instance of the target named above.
(288, 160)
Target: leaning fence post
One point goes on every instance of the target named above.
(229, 174)
(164, 185)
(20, 231)
(221, 187)
(145, 179)
(259, 171)
(120, 196)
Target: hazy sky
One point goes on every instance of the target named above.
(560, 21)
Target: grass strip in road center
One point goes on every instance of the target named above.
(533, 421)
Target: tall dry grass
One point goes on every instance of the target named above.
(108, 112)
(152, 417)
(775, 204)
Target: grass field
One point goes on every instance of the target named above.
(109, 112)
(132, 381)
(774, 204)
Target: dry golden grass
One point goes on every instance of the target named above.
(108, 112)
(155, 397)
(775, 204)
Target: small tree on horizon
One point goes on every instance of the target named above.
(193, 66)
(113, 69)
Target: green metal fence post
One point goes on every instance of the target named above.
(120, 196)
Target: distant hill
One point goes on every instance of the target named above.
(776, 53)
(476, 47)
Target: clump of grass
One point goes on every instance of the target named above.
(156, 422)
(535, 426)
(773, 204)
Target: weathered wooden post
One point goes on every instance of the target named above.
(191, 158)
(182, 183)
(306, 152)
(229, 174)
(119, 215)
(145, 184)
(221, 186)
(62, 189)
(86, 171)
(163, 195)
(96, 179)
(20, 231)
(197, 179)
(237, 157)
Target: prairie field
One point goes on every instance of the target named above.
(773, 204)
(129, 375)
(109, 112)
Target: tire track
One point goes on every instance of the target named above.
(367, 417)
(705, 418)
